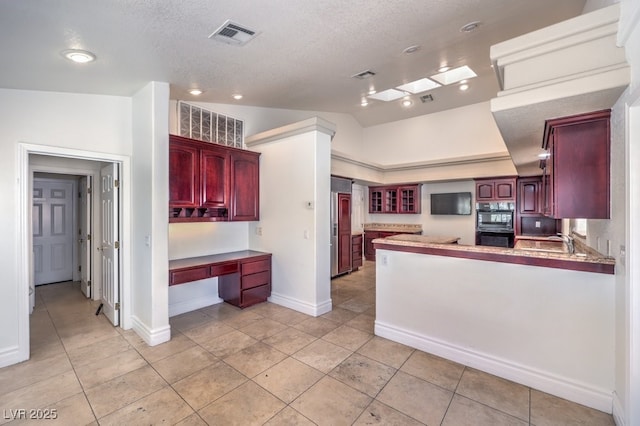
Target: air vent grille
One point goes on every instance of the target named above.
(233, 33)
(364, 74)
(426, 98)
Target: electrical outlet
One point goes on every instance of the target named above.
(384, 260)
(623, 253)
(538, 224)
(258, 230)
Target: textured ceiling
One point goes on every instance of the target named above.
(303, 58)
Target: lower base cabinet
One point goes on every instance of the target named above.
(356, 252)
(369, 236)
(251, 285)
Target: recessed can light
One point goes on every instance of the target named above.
(464, 87)
(79, 56)
(364, 102)
(407, 103)
(471, 26)
(195, 92)
(444, 68)
(411, 49)
(237, 96)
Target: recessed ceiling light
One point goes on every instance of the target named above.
(471, 26)
(419, 86)
(372, 91)
(79, 56)
(464, 87)
(411, 49)
(364, 102)
(455, 75)
(444, 68)
(237, 96)
(195, 92)
(407, 102)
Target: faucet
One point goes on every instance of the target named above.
(571, 248)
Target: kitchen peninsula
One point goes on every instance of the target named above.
(534, 317)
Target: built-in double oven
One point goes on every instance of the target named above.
(495, 224)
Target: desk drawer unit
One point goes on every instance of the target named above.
(184, 276)
(224, 269)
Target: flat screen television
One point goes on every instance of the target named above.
(451, 203)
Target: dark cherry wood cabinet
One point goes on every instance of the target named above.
(403, 199)
(356, 251)
(344, 233)
(210, 182)
(496, 189)
(529, 210)
(369, 236)
(576, 179)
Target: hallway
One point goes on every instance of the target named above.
(263, 365)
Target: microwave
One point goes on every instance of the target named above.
(495, 221)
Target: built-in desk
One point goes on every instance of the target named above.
(244, 277)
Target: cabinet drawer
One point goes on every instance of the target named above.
(224, 269)
(254, 280)
(257, 266)
(185, 276)
(255, 295)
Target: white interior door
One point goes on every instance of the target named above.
(53, 233)
(110, 245)
(84, 234)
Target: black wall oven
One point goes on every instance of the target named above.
(495, 224)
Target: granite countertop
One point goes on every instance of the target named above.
(393, 227)
(410, 240)
(528, 251)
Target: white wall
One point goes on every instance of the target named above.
(462, 226)
(549, 329)
(84, 122)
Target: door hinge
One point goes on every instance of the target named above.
(79, 268)
(117, 307)
(88, 237)
(89, 284)
(88, 190)
(116, 244)
(116, 183)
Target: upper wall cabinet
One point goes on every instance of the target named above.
(403, 199)
(576, 172)
(496, 189)
(210, 182)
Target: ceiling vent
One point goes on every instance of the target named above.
(233, 33)
(426, 98)
(364, 74)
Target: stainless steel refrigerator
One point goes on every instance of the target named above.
(340, 205)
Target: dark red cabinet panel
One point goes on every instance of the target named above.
(184, 169)
(404, 199)
(496, 189)
(245, 180)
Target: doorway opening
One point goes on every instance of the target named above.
(90, 253)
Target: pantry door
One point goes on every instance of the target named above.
(110, 246)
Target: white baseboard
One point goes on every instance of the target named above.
(152, 337)
(11, 355)
(301, 306)
(192, 305)
(618, 411)
(581, 393)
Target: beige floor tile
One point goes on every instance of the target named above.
(178, 343)
(465, 412)
(46, 348)
(288, 379)
(30, 372)
(356, 305)
(364, 322)
(387, 352)
(249, 404)
(289, 417)
(434, 369)
(322, 355)
(330, 402)
(91, 354)
(91, 375)
(180, 365)
(416, 398)
(255, 359)
(503, 395)
(74, 410)
(123, 390)
(221, 311)
(208, 384)
(340, 315)
(133, 338)
(548, 410)
(242, 319)
(316, 326)
(289, 316)
(86, 335)
(207, 331)
(347, 337)
(161, 407)
(189, 320)
(192, 420)
(290, 340)
(228, 344)
(42, 394)
(380, 414)
(364, 374)
(263, 328)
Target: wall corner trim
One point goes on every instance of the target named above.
(300, 305)
(316, 124)
(152, 337)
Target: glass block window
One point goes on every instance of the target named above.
(201, 124)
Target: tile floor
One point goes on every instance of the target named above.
(262, 365)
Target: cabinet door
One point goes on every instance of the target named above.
(409, 199)
(245, 186)
(375, 200)
(184, 175)
(214, 165)
(356, 252)
(484, 191)
(390, 200)
(504, 189)
(529, 196)
(369, 251)
(344, 233)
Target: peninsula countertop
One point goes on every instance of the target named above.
(584, 259)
